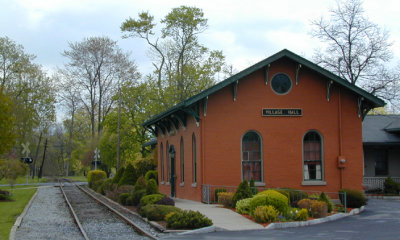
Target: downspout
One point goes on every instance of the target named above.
(340, 136)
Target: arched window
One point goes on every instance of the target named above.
(194, 167)
(312, 156)
(168, 163)
(251, 157)
(162, 162)
(182, 162)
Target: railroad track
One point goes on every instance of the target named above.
(98, 220)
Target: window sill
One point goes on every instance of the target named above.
(259, 184)
(162, 182)
(167, 183)
(182, 184)
(194, 184)
(313, 183)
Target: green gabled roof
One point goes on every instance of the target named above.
(374, 101)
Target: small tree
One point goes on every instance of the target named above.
(129, 177)
(242, 192)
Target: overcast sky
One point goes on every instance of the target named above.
(246, 31)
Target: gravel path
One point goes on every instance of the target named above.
(48, 218)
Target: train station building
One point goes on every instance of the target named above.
(283, 122)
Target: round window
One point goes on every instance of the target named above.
(281, 83)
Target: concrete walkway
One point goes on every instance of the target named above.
(222, 217)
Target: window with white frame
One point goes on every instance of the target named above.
(251, 157)
(312, 157)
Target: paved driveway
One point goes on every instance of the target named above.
(380, 220)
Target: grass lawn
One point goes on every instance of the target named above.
(22, 180)
(77, 178)
(9, 211)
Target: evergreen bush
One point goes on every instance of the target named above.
(154, 212)
(188, 220)
(355, 198)
(152, 174)
(302, 215)
(118, 175)
(151, 187)
(253, 188)
(258, 200)
(123, 197)
(140, 183)
(391, 187)
(136, 196)
(129, 177)
(324, 198)
(216, 191)
(319, 209)
(264, 214)
(276, 199)
(243, 191)
(166, 201)
(150, 199)
(96, 176)
(107, 185)
(243, 206)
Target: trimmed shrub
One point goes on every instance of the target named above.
(319, 209)
(168, 216)
(118, 175)
(136, 196)
(166, 201)
(264, 214)
(243, 191)
(243, 206)
(253, 188)
(95, 176)
(302, 215)
(151, 187)
(150, 199)
(355, 198)
(129, 177)
(188, 220)
(324, 198)
(123, 197)
(294, 195)
(154, 212)
(391, 187)
(107, 185)
(216, 191)
(225, 198)
(140, 183)
(305, 204)
(258, 200)
(276, 199)
(152, 174)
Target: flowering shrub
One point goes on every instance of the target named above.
(225, 198)
(264, 214)
(302, 215)
(243, 206)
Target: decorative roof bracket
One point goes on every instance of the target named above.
(181, 120)
(360, 110)
(328, 90)
(194, 113)
(235, 85)
(266, 74)
(297, 73)
(205, 100)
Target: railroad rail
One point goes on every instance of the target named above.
(97, 219)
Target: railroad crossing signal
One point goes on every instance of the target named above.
(27, 160)
(25, 149)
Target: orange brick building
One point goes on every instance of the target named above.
(284, 122)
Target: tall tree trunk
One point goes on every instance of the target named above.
(71, 131)
(44, 158)
(36, 155)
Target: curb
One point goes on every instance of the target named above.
(384, 197)
(315, 221)
(20, 217)
(201, 230)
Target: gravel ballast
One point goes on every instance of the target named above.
(48, 218)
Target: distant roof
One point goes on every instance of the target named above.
(381, 129)
(369, 98)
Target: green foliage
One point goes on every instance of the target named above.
(294, 195)
(129, 177)
(118, 175)
(216, 191)
(243, 191)
(305, 203)
(243, 206)
(10, 169)
(7, 124)
(166, 201)
(95, 176)
(151, 187)
(253, 188)
(151, 174)
(150, 199)
(391, 187)
(319, 209)
(123, 197)
(140, 183)
(276, 199)
(258, 200)
(143, 165)
(355, 198)
(302, 215)
(155, 212)
(225, 198)
(188, 220)
(107, 185)
(323, 197)
(136, 196)
(264, 214)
